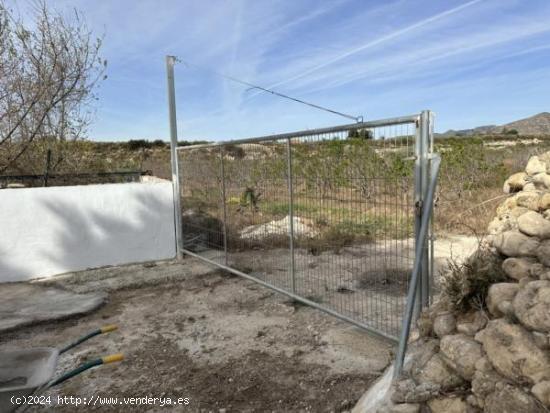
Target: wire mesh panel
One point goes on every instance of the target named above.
(328, 216)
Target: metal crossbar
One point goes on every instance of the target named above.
(330, 217)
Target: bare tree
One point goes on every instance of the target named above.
(49, 70)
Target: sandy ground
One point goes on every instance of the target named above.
(222, 341)
(225, 343)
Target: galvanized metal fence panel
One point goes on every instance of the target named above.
(326, 216)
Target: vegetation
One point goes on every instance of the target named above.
(466, 284)
(50, 67)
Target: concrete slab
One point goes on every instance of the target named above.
(130, 276)
(23, 304)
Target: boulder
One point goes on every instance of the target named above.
(513, 353)
(543, 252)
(407, 391)
(444, 324)
(511, 399)
(515, 244)
(449, 405)
(544, 202)
(404, 408)
(541, 340)
(502, 223)
(529, 186)
(508, 205)
(532, 305)
(437, 372)
(529, 200)
(514, 183)
(518, 268)
(532, 223)
(470, 323)
(499, 298)
(485, 380)
(535, 166)
(419, 354)
(542, 392)
(541, 180)
(461, 353)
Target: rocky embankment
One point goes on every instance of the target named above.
(485, 345)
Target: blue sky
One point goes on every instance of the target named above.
(472, 62)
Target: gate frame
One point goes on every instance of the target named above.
(425, 177)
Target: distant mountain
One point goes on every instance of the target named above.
(480, 130)
(534, 125)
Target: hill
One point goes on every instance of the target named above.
(535, 125)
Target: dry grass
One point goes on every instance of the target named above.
(465, 284)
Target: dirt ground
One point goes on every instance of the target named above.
(225, 343)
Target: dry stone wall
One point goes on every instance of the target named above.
(494, 358)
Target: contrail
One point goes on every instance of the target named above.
(378, 41)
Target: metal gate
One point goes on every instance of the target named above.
(329, 217)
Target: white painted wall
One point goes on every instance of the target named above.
(48, 231)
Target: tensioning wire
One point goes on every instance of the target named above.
(263, 89)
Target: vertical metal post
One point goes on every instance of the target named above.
(224, 206)
(170, 62)
(431, 237)
(422, 236)
(425, 165)
(418, 208)
(291, 213)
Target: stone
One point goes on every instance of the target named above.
(515, 244)
(514, 183)
(535, 166)
(485, 379)
(543, 252)
(542, 392)
(513, 353)
(544, 202)
(518, 268)
(470, 323)
(436, 372)
(511, 399)
(448, 405)
(419, 353)
(404, 408)
(537, 270)
(532, 306)
(529, 200)
(406, 391)
(508, 205)
(502, 223)
(518, 211)
(541, 180)
(529, 186)
(425, 325)
(461, 353)
(545, 157)
(532, 223)
(444, 324)
(499, 298)
(24, 304)
(541, 340)
(473, 400)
